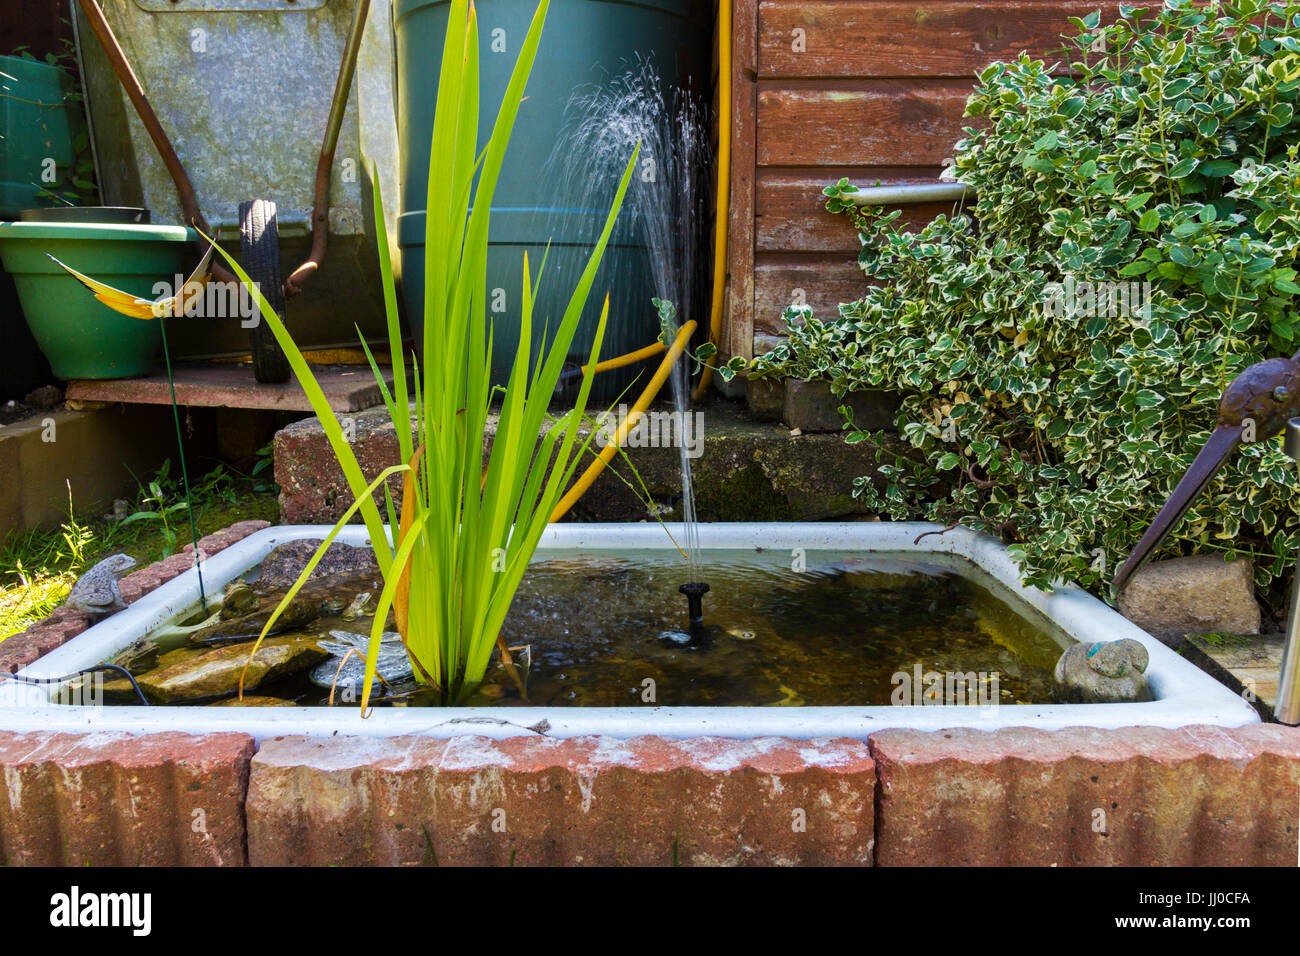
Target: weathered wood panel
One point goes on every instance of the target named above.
(42, 27)
(853, 38)
(738, 327)
(790, 210)
(873, 90)
(822, 282)
(878, 123)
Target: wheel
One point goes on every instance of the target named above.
(259, 242)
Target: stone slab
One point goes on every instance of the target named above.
(747, 471)
(348, 388)
(1247, 663)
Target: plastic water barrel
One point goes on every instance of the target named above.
(584, 43)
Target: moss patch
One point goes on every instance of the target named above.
(747, 495)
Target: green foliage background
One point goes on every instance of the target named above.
(1164, 150)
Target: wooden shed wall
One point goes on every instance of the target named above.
(877, 95)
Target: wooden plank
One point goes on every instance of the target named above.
(42, 27)
(791, 216)
(879, 122)
(738, 325)
(850, 38)
(347, 388)
(820, 281)
(1244, 662)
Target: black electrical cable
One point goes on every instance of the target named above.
(73, 676)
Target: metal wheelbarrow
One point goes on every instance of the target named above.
(251, 67)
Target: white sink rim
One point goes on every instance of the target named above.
(1184, 694)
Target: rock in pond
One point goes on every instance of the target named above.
(253, 700)
(280, 568)
(140, 657)
(1106, 672)
(188, 675)
(393, 663)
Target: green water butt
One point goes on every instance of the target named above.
(584, 43)
(36, 126)
(82, 337)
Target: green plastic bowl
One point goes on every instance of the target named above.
(82, 337)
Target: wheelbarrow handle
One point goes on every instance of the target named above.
(320, 216)
(131, 83)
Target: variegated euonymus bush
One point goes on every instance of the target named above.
(1061, 347)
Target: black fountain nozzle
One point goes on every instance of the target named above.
(695, 591)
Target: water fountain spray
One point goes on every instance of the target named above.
(669, 202)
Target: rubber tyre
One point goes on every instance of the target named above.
(259, 242)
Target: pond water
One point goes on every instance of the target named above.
(609, 628)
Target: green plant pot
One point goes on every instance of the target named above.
(36, 125)
(82, 337)
(109, 215)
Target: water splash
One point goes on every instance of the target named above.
(667, 205)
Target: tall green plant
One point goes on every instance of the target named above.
(468, 531)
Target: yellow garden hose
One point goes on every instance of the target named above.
(724, 188)
(634, 416)
(629, 358)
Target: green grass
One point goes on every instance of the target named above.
(38, 568)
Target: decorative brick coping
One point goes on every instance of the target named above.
(1138, 795)
(1198, 795)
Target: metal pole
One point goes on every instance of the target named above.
(320, 214)
(908, 193)
(1287, 708)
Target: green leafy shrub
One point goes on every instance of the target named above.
(1132, 248)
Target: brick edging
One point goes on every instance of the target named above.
(1191, 796)
(64, 623)
(1144, 796)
